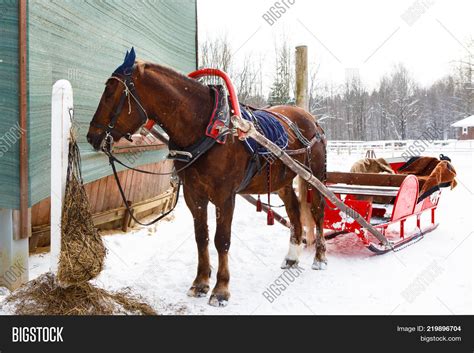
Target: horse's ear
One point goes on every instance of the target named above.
(130, 59)
(133, 55)
(128, 62)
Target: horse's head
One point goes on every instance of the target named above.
(120, 112)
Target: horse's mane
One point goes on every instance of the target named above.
(175, 75)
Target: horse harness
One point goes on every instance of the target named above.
(216, 133)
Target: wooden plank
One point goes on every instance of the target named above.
(35, 213)
(101, 195)
(109, 199)
(25, 219)
(365, 179)
(130, 187)
(140, 180)
(364, 190)
(108, 216)
(115, 199)
(92, 193)
(44, 212)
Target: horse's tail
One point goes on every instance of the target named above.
(306, 216)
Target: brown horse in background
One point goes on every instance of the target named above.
(182, 107)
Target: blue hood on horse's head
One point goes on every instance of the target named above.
(128, 63)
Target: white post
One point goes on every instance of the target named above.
(61, 112)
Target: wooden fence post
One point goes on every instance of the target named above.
(302, 77)
(61, 114)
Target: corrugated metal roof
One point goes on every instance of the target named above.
(84, 41)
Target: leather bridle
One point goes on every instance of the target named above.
(126, 96)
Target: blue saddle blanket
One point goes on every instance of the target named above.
(267, 125)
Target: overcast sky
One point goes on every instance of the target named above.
(369, 35)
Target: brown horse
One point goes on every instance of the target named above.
(182, 107)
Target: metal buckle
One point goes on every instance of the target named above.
(174, 153)
(107, 143)
(108, 138)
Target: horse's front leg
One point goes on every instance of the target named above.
(198, 207)
(224, 214)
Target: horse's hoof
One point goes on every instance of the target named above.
(218, 301)
(199, 291)
(319, 265)
(287, 264)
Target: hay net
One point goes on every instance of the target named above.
(81, 259)
(82, 250)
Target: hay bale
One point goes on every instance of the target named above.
(43, 296)
(82, 250)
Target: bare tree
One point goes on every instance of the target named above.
(248, 82)
(216, 53)
(247, 77)
(282, 87)
(404, 107)
(464, 79)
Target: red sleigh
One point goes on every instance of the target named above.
(387, 201)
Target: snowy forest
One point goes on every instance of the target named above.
(398, 108)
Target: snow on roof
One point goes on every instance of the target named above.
(468, 122)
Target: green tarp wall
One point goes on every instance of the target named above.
(82, 41)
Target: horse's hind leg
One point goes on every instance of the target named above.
(317, 210)
(313, 215)
(198, 207)
(288, 195)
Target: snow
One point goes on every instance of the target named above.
(433, 276)
(467, 122)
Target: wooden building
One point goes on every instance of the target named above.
(81, 41)
(465, 128)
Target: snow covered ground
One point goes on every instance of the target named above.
(433, 276)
